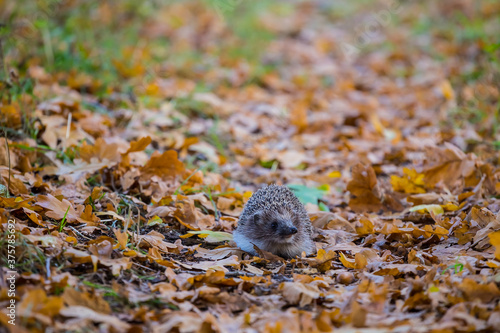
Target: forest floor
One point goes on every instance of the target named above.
(133, 133)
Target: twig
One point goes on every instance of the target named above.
(47, 267)
(79, 233)
(138, 225)
(239, 273)
(68, 129)
(134, 263)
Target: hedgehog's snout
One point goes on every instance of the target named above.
(288, 231)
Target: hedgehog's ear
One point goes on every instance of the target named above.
(256, 218)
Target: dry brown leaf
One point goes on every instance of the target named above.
(82, 312)
(364, 193)
(447, 165)
(73, 297)
(328, 220)
(57, 209)
(166, 165)
(299, 293)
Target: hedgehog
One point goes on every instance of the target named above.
(275, 220)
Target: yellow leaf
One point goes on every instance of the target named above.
(376, 123)
(129, 253)
(334, 174)
(412, 182)
(72, 240)
(450, 207)
(155, 220)
(433, 289)
(447, 90)
(348, 263)
(121, 237)
(495, 241)
(211, 236)
(152, 89)
(493, 264)
(366, 227)
(436, 209)
(440, 231)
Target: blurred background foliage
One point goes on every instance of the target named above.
(100, 47)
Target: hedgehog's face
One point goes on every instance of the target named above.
(277, 226)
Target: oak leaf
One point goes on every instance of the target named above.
(166, 165)
(57, 209)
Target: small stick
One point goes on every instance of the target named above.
(79, 233)
(68, 126)
(47, 267)
(138, 225)
(134, 263)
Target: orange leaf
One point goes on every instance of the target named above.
(139, 145)
(164, 165)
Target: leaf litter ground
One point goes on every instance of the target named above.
(134, 135)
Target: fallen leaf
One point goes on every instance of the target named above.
(299, 293)
(364, 195)
(82, 312)
(211, 236)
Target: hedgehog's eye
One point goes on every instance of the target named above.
(274, 225)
